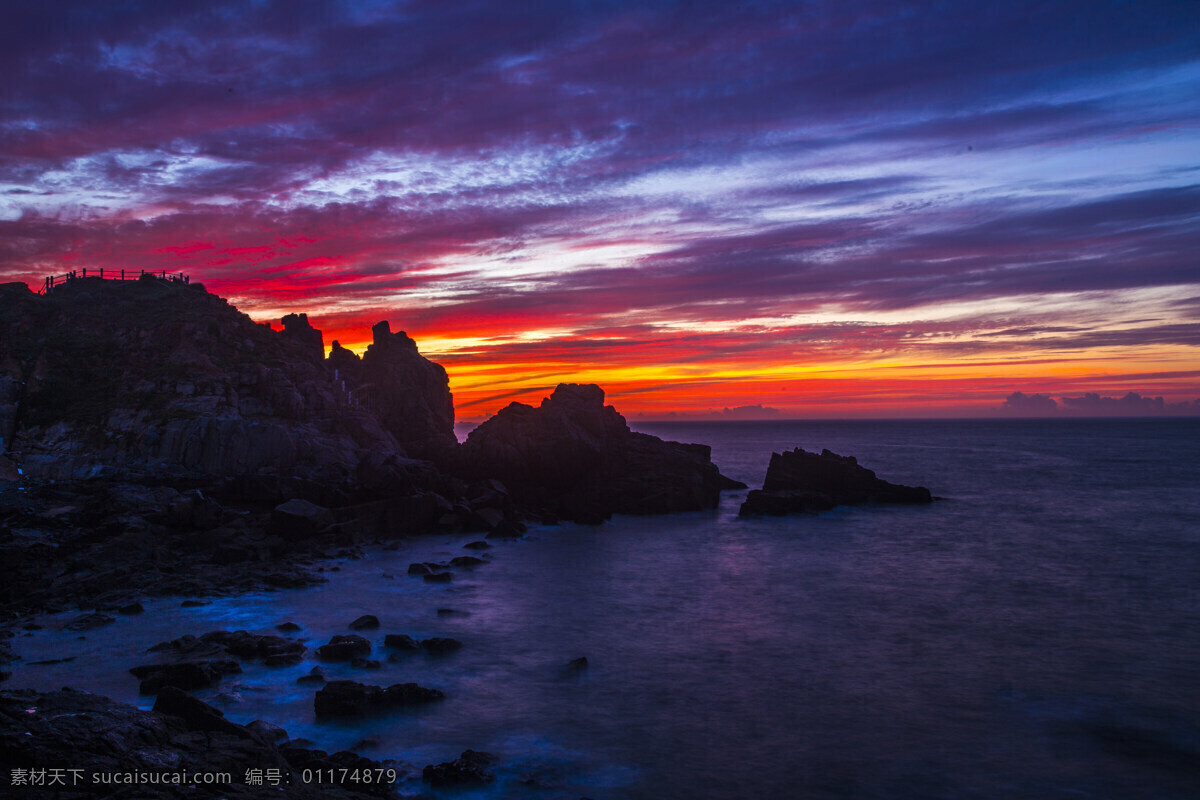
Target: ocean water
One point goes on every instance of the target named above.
(1033, 634)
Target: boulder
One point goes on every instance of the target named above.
(299, 519)
(275, 651)
(196, 714)
(184, 674)
(800, 481)
(344, 648)
(352, 699)
(400, 641)
(365, 622)
(469, 769)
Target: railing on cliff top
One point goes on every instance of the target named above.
(54, 281)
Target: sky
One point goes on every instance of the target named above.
(824, 209)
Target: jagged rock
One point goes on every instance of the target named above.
(183, 674)
(146, 381)
(344, 648)
(578, 458)
(288, 627)
(299, 519)
(799, 481)
(348, 698)
(400, 641)
(408, 393)
(307, 338)
(275, 651)
(267, 731)
(365, 622)
(315, 675)
(469, 769)
(507, 529)
(198, 715)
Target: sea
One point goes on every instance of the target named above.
(1035, 633)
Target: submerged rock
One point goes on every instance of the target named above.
(799, 481)
(440, 645)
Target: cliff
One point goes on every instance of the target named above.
(155, 380)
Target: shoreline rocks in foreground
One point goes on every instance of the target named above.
(83, 737)
(799, 481)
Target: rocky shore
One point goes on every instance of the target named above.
(155, 441)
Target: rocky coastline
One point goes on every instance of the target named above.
(155, 441)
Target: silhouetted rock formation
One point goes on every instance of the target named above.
(408, 393)
(577, 459)
(800, 481)
(297, 328)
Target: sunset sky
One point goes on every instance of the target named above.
(827, 208)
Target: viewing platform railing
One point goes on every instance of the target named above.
(54, 281)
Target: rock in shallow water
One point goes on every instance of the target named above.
(350, 699)
(344, 648)
(469, 769)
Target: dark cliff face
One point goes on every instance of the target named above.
(577, 458)
(157, 380)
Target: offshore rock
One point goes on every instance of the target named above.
(799, 481)
(576, 458)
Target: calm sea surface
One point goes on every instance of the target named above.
(1035, 634)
